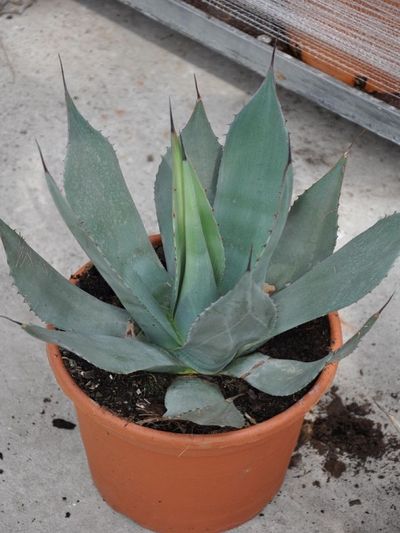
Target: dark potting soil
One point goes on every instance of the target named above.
(139, 397)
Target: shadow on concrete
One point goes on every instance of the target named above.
(176, 43)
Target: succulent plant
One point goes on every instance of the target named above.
(228, 231)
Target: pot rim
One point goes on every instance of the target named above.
(237, 437)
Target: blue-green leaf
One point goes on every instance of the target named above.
(281, 377)
(201, 402)
(113, 354)
(204, 152)
(134, 295)
(178, 214)
(350, 345)
(52, 298)
(163, 201)
(203, 149)
(209, 226)
(230, 326)
(97, 192)
(342, 278)
(198, 287)
(278, 377)
(262, 265)
(311, 229)
(253, 165)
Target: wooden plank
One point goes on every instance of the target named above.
(292, 74)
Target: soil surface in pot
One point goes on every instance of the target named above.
(139, 397)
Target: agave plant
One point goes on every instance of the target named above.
(228, 231)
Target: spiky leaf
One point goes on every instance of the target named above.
(349, 346)
(253, 164)
(341, 279)
(134, 295)
(278, 377)
(282, 377)
(163, 201)
(228, 327)
(113, 354)
(204, 151)
(209, 226)
(178, 213)
(199, 285)
(262, 265)
(52, 298)
(201, 402)
(97, 192)
(310, 231)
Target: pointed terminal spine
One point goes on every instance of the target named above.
(63, 74)
(46, 170)
(387, 303)
(248, 269)
(272, 63)
(197, 87)
(12, 320)
(68, 100)
(171, 118)
(357, 136)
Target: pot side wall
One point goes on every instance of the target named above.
(178, 492)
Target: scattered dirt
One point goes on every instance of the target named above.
(139, 396)
(296, 460)
(346, 438)
(60, 423)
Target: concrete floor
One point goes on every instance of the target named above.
(123, 67)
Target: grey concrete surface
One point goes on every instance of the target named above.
(122, 68)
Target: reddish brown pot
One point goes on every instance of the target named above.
(180, 483)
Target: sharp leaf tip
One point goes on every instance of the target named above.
(11, 320)
(274, 47)
(62, 73)
(171, 118)
(41, 157)
(197, 87)
(250, 259)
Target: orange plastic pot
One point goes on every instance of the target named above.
(188, 483)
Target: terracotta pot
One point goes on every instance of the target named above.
(188, 483)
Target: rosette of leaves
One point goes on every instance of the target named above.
(228, 228)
